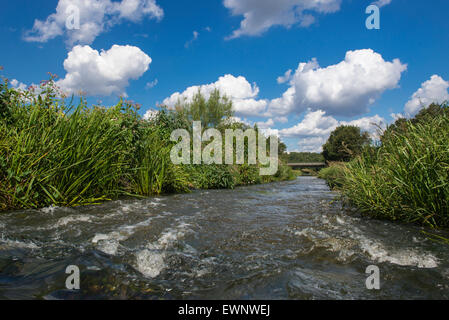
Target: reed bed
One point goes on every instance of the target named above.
(53, 154)
(406, 178)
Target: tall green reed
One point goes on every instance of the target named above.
(53, 154)
(407, 178)
(71, 155)
(60, 158)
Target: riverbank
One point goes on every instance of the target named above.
(404, 179)
(53, 154)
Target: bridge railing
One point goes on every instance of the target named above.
(308, 165)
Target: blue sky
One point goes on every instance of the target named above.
(164, 47)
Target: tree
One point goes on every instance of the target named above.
(211, 112)
(282, 148)
(345, 143)
(307, 157)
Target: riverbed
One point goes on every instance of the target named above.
(286, 240)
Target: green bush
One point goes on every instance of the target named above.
(211, 176)
(284, 173)
(334, 175)
(301, 157)
(247, 175)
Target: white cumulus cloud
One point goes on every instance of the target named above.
(315, 123)
(103, 73)
(286, 77)
(265, 125)
(151, 114)
(261, 15)
(346, 88)
(95, 16)
(313, 144)
(431, 91)
(242, 93)
(316, 127)
(18, 85)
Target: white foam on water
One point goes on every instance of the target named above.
(377, 251)
(72, 219)
(171, 236)
(93, 268)
(15, 244)
(49, 210)
(405, 257)
(341, 246)
(110, 243)
(373, 248)
(334, 222)
(322, 239)
(202, 272)
(125, 208)
(109, 247)
(128, 207)
(156, 204)
(340, 220)
(100, 237)
(137, 205)
(311, 233)
(150, 263)
(164, 214)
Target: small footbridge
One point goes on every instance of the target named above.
(310, 165)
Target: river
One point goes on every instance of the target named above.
(287, 240)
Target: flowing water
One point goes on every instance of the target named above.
(288, 240)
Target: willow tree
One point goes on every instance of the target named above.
(210, 112)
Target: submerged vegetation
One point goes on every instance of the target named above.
(406, 177)
(53, 153)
